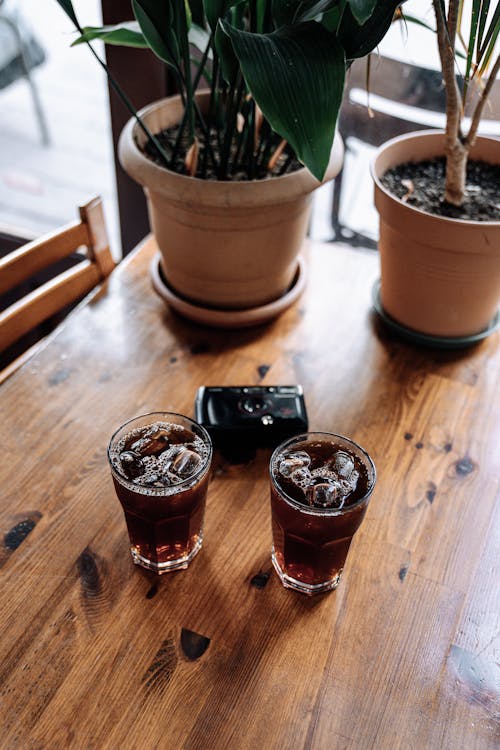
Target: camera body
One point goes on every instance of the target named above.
(251, 416)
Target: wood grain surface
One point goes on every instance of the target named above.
(97, 653)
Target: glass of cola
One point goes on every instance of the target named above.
(320, 487)
(160, 466)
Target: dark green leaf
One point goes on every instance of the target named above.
(228, 60)
(418, 22)
(283, 11)
(198, 12)
(215, 9)
(310, 9)
(331, 18)
(359, 41)
(188, 16)
(296, 76)
(157, 22)
(491, 34)
(288, 12)
(67, 7)
(260, 13)
(488, 53)
(126, 34)
(476, 6)
(482, 21)
(362, 9)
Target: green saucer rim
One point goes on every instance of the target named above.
(437, 342)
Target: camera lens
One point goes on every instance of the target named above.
(251, 405)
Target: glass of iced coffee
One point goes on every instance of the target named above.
(160, 466)
(320, 487)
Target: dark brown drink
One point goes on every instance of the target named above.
(320, 487)
(160, 466)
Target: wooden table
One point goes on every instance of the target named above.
(97, 653)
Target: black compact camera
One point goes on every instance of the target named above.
(251, 416)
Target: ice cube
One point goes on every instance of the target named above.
(293, 461)
(170, 453)
(131, 464)
(343, 464)
(150, 463)
(129, 457)
(166, 459)
(186, 463)
(301, 477)
(302, 456)
(349, 484)
(179, 435)
(152, 443)
(324, 472)
(167, 479)
(326, 495)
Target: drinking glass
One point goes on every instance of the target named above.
(164, 507)
(310, 544)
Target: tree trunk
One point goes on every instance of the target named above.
(456, 168)
(456, 151)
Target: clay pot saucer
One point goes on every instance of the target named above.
(217, 318)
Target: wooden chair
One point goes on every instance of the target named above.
(33, 308)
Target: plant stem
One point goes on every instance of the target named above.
(233, 105)
(206, 132)
(212, 111)
(263, 140)
(265, 149)
(187, 74)
(447, 57)
(203, 62)
(284, 168)
(208, 150)
(182, 126)
(250, 153)
(128, 104)
(478, 110)
(177, 144)
(455, 149)
(241, 140)
(196, 113)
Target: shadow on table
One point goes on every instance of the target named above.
(390, 338)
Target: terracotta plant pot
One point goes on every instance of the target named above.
(227, 245)
(439, 276)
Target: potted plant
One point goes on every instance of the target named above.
(440, 229)
(228, 171)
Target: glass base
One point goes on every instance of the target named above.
(305, 588)
(180, 563)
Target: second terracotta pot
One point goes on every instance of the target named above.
(439, 276)
(228, 245)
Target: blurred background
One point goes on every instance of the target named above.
(41, 184)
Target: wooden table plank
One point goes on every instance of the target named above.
(399, 661)
(97, 653)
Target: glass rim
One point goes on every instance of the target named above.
(322, 511)
(173, 488)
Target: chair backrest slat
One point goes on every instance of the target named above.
(39, 305)
(29, 259)
(92, 215)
